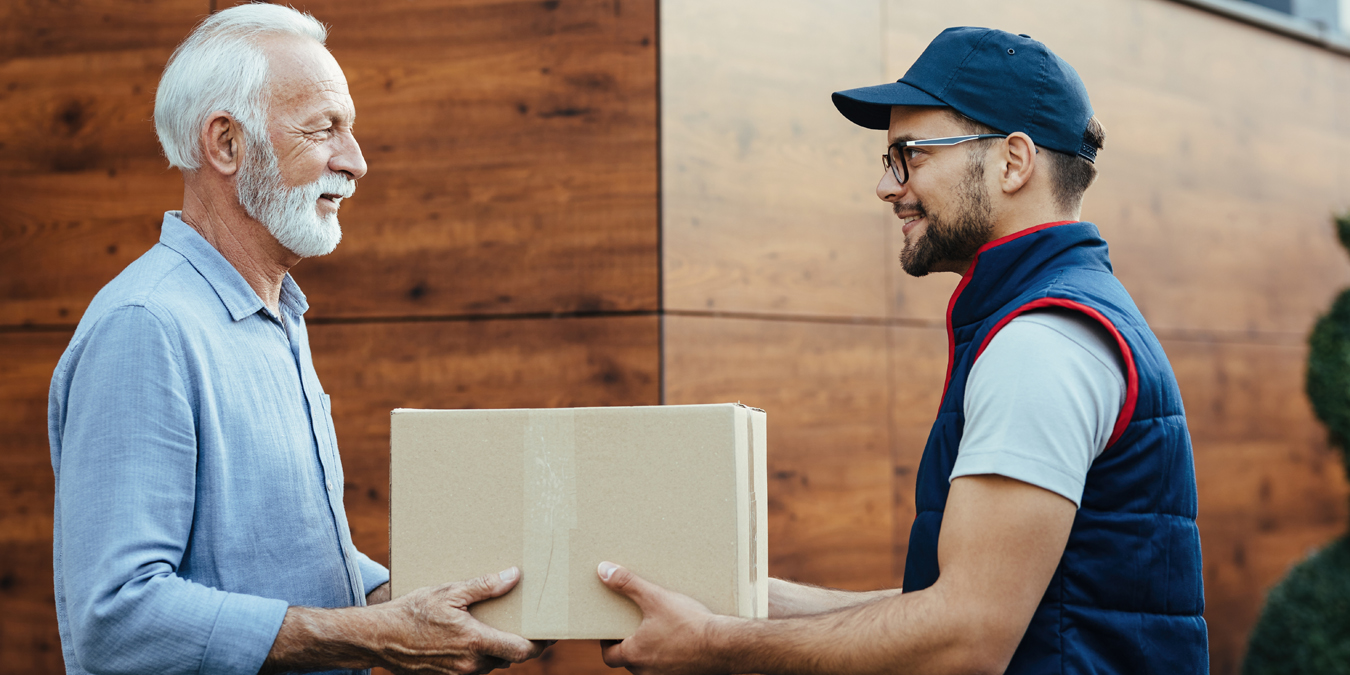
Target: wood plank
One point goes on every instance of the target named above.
(768, 194)
(39, 29)
(65, 235)
(83, 111)
(84, 184)
(28, 634)
(824, 388)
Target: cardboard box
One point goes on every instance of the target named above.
(674, 493)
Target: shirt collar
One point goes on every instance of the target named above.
(239, 298)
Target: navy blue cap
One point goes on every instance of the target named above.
(1008, 82)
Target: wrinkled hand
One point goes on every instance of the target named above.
(434, 632)
(673, 638)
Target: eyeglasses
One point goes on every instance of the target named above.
(896, 154)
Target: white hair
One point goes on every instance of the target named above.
(221, 67)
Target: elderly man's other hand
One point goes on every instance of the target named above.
(428, 630)
(674, 637)
(434, 632)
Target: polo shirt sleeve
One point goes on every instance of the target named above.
(1041, 402)
(126, 484)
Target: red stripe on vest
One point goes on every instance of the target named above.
(1131, 373)
(965, 279)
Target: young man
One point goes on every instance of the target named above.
(1056, 495)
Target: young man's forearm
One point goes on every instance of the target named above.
(790, 599)
(916, 633)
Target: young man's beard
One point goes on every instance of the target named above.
(291, 214)
(951, 240)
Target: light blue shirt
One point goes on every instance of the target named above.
(198, 485)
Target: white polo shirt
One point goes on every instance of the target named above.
(1041, 401)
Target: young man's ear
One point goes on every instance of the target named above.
(222, 143)
(1019, 162)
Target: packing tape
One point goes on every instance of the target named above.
(550, 516)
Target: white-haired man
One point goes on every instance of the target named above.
(199, 523)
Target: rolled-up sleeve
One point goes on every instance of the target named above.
(126, 488)
(373, 574)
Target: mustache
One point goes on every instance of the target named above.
(914, 207)
(332, 184)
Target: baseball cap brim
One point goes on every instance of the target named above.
(871, 106)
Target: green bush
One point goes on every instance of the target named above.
(1329, 361)
(1305, 626)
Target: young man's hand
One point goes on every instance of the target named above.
(674, 637)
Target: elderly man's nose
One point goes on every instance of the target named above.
(349, 159)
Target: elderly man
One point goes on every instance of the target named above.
(1056, 496)
(199, 523)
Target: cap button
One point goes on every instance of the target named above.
(1024, 35)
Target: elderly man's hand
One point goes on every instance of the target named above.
(433, 632)
(674, 636)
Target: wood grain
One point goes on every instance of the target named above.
(82, 182)
(825, 391)
(767, 194)
(40, 29)
(28, 635)
(64, 235)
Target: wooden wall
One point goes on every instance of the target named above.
(1227, 151)
(505, 250)
(501, 252)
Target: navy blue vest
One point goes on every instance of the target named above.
(1127, 596)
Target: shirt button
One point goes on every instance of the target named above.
(330, 486)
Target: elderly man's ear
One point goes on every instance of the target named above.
(222, 143)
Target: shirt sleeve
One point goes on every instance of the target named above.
(125, 483)
(1041, 402)
(373, 574)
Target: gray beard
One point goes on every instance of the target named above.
(291, 214)
(958, 239)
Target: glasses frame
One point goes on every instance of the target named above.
(898, 149)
